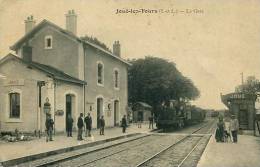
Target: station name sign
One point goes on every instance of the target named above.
(15, 82)
(237, 96)
(241, 96)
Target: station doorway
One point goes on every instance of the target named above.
(116, 112)
(70, 107)
(99, 110)
(243, 119)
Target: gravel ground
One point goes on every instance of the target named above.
(194, 157)
(128, 157)
(174, 155)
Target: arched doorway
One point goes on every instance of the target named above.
(70, 107)
(99, 110)
(116, 112)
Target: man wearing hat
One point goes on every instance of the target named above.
(49, 127)
(234, 126)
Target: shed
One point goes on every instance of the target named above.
(242, 105)
(142, 111)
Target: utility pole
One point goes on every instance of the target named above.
(242, 81)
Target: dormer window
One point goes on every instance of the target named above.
(48, 42)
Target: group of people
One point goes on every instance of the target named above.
(226, 129)
(80, 124)
(88, 123)
(140, 120)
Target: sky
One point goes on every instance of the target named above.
(211, 41)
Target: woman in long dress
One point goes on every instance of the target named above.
(219, 136)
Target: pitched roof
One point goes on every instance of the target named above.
(144, 105)
(43, 23)
(55, 73)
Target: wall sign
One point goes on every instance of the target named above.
(59, 112)
(15, 82)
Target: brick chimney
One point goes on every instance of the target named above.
(29, 24)
(71, 22)
(116, 49)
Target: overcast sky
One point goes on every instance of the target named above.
(211, 47)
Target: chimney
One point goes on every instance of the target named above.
(27, 53)
(71, 22)
(116, 49)
(29, 24)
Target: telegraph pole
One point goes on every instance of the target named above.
(242, 81)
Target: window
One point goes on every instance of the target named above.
(100, 74)
(48, 42)
(14, 99)
(116, 84)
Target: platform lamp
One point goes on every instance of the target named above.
(47, 107)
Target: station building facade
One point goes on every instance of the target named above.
(74, 75)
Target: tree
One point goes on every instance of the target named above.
(94, 40)
(252, 86)
(155, 81)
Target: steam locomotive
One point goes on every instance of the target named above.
(179, 115)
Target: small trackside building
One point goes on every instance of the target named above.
(242, 105)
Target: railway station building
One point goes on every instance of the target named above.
(242, 105)
(53, 65)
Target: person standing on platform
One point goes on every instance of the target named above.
(124, 123)
(234, 126)
(102, 125)
(88, 122)
(219, 136)
(151, 122)
(49, 127)
(80, 125)
(69, 125)
(139, 121)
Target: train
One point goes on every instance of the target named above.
(179, 116)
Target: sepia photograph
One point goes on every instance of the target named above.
(129, 83)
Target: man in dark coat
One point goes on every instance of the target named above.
(139, 121)
(69, 125)
(49, 127)
(102, 125)
(80, 125)
(88, 122)
(124, 123)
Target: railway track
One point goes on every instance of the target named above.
(127, 153)
(184, 153)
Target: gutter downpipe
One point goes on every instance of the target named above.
(54, 107)
(84, 85)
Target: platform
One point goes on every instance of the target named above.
(16, 150)
(243, 154)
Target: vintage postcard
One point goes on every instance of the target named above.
(130, 83)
